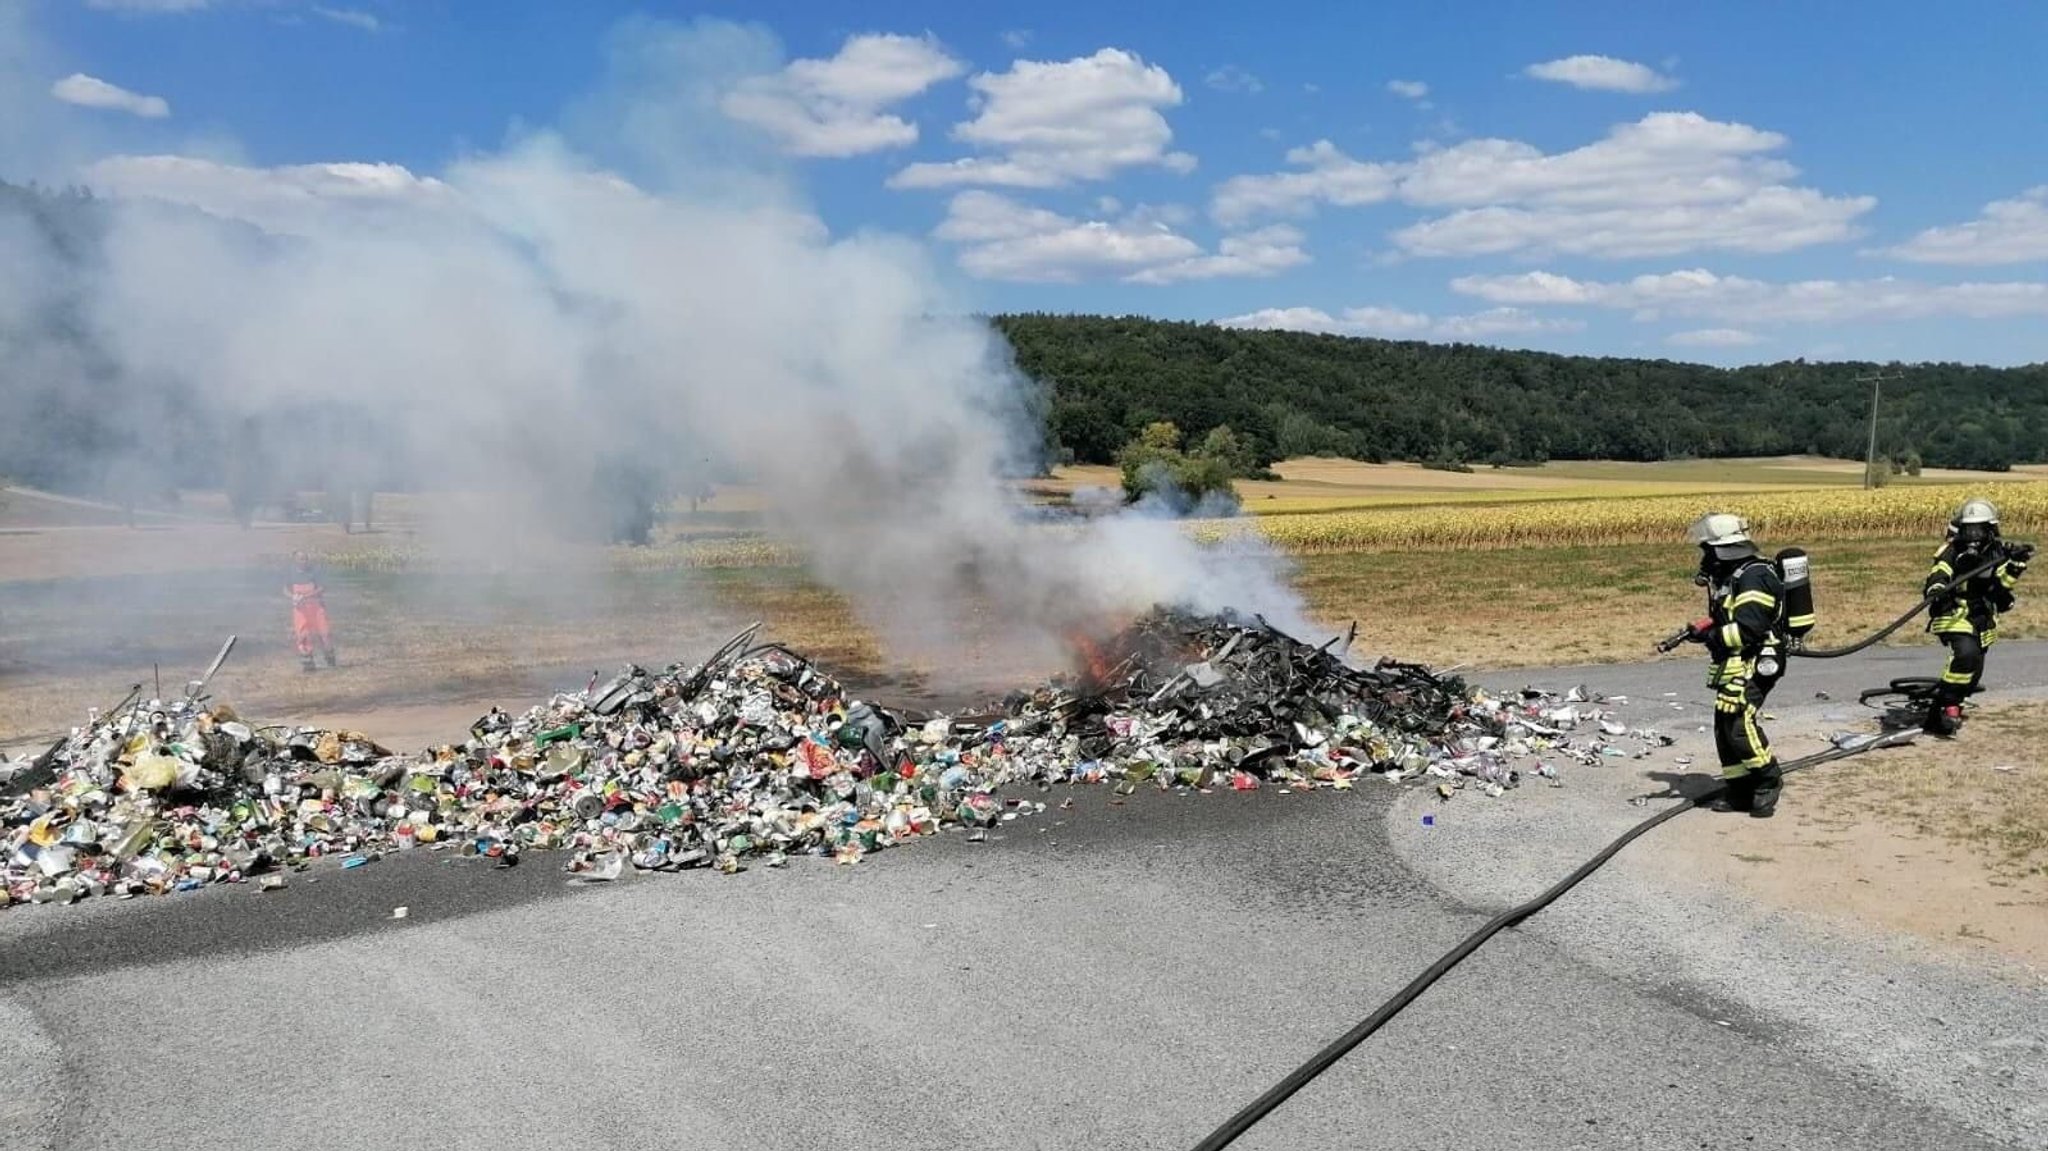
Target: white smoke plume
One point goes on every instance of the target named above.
(606, 290)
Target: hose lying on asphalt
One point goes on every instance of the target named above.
(1866, 641)
(1301, 1076)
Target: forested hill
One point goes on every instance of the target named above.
(1295, 394)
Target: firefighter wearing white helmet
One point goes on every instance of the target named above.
(1744, 628)
(1965, 615)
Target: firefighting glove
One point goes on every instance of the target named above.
(1698, 630)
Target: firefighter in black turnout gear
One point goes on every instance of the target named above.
(1751, 622)
(1965, 615)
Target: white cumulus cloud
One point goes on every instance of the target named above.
(1602, 73)
(294, 200)
(353, 17)
(1231, 78)
(1408, 89)
(2008, 232)
(1768, 220)
(1327, 176)
(1001, 238)
(1047, 125)
(1262, 252)
(837, 107)
(1671, 182)
(1700, 294)
(1400, 323)
(149, 5)
(92, 92)
(1713, 338)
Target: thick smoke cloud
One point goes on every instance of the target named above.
(634, 286)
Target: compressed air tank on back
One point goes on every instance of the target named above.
(1795, 569)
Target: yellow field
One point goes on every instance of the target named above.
(1327, 485)
(1841, 513)
(1529, 519)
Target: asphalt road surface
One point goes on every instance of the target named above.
(1101, 977)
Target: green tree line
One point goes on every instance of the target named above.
(1290, 394)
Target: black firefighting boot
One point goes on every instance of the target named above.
(1739, 793)
(306, 662)
(1943, 719)
(330, 657)
(1769, 781)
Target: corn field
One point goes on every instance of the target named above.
(1778, 518)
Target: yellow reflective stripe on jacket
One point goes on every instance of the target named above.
(1943, 567)
(1760, 598)
(2007, 577)
(1731, 634)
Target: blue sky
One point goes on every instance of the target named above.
(1730, 182)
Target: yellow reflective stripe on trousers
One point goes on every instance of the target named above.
(1756, 741)
(1800, 621)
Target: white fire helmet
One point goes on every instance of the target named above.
(1976, 512)
(1727, 536)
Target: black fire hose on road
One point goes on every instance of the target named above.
(1323, 1060)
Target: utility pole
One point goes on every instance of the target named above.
(1870, 456)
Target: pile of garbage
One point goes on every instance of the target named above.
(753, 755)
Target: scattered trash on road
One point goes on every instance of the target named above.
(756, 754)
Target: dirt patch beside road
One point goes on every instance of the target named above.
(1946, 841)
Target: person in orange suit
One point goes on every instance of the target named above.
(309, 612)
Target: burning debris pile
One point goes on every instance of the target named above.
(752, 755)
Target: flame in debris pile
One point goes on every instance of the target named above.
(753, 755)
(1095, 661)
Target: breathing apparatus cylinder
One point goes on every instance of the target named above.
(1795, 575)
(1795, 568)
